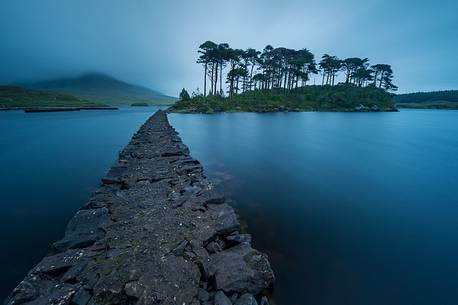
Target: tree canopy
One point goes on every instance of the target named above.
(282, 69)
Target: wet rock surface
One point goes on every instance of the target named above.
(155, 232)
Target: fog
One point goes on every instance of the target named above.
(154, 43)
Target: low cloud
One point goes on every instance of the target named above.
(154, 43)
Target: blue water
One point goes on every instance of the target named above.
(353, 208)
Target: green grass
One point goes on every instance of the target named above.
(17, 97)
(310, 98)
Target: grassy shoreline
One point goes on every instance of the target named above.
(341, 98)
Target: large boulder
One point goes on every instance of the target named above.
(240, 269)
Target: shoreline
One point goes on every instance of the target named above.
(63, 109)
(55, 109)
(284, 111)
(155, 232)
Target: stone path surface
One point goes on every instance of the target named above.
(155, 232)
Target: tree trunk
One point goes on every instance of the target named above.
(205, 80)
(216, 78)
(221, 78)
(285, 80)
(251, 76)
(212, 71)
(231, 86)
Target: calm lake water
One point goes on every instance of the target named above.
(353, 208)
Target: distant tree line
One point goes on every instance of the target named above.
(282, 68)
(424, 97)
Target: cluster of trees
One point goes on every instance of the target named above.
(357, 71)
(282, 68)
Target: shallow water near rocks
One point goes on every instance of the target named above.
(353, 208)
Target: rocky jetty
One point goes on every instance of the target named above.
(155, 232)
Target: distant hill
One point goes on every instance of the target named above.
(423, 97)
(447, 99)
(17, 97)
(102, 88)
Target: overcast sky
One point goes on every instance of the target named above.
(154, 43)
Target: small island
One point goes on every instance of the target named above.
(277, 79)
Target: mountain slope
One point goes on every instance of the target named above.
(103, 88)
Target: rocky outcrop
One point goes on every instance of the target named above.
(155, 232)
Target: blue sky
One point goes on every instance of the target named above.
(154, 43)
